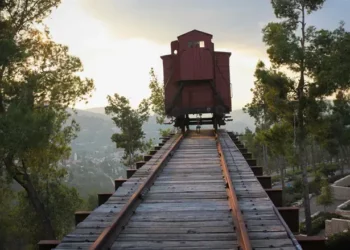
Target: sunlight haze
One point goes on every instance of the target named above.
(119, 41)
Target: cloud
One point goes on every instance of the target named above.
(161, 21)
(119, 41)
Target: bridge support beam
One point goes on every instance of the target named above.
(130, 173)
(48, 244)
(80, 216)
(251, 162)
(258, 171)
(291, 216)
(152, 152)
(102, 198)
(243, 150)
(265, 181)
(147, 157)
(139, 164)
(311, 242)
(275, 196)
(118, 183)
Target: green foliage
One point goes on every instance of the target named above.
(165, 132)
(339, 241)
(91, 202)
(319, 222)
(38, 82)
(129, 121)
(59, 200)
(326, 196)
(328, 169)
(334, 178)
(293, 107)
(9, 235)
(157, 97)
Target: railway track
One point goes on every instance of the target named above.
(196, 192)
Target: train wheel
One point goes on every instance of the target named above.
(215, 124)
(183, 129)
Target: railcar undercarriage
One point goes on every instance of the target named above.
(185, 121)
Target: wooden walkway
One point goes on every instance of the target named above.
(187, 206)
(265, 228)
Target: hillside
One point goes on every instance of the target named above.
(97, 129)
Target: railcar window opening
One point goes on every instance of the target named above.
(196, 44)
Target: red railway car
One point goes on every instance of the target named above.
(196, 81)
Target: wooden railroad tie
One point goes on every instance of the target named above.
(48, 244)
(130, 173)
(118, 183)
(80, 216)
(103, 197)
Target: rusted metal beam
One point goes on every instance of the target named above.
(118, 183)
(265, 181)
(257, 170)
(275, 196)
(130, 173)
(102, 198)
(139, 164)
(241, 230)
(80, 216)
(311, 242)
(291, 216)
(48, 244)
(109, 234)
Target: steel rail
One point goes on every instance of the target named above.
(110, 233)
(242, 234)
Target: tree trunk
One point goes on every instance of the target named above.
(265, 157)
(301, 126)
(282, 169)
(313, 156)
(48, 230)
(23, 179)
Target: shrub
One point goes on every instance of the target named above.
(334, 178)
(319, 222)
(339, 241)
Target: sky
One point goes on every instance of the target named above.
(118, 41)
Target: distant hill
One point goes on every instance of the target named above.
(96, 129)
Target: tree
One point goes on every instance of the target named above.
(38, 82)
(129, 121)
(326, 196)
(157, 97)
(318, 58)
(156, 101)
(59, 200)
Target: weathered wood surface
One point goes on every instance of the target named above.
(86, 232)
(262, 223)
(187, 206)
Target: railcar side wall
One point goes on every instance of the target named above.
(222, 77)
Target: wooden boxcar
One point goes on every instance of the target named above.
(196, 80)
